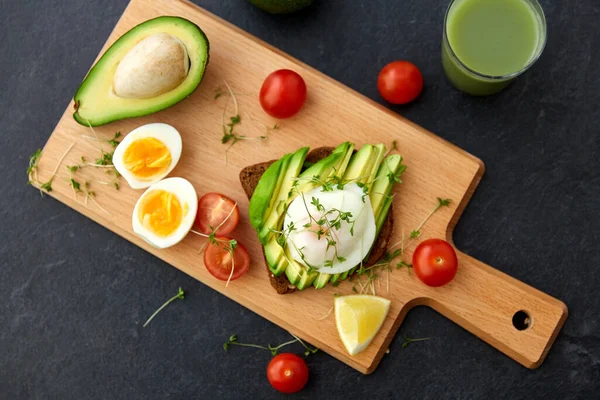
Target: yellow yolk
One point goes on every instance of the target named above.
(160, 212)
(147, 157)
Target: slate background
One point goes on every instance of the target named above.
(74, 295)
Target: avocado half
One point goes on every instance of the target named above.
(96, 102)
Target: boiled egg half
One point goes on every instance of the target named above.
(148, 154)
(316, 243)
(165, 213)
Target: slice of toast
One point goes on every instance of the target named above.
(249, 178)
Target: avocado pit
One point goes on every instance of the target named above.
(154, 66)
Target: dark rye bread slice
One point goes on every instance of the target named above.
(249, 178)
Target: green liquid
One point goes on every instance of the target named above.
(491, 37)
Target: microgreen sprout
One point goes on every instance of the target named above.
(228, 130)
(441, 203)
(408, 340)
(394, 147)
(180, 295)
(32, 170)
(114, 182)
(219, 92)
(233, 341)
(328, 313)
(402, 264)
(33, 166)
(229, 134)
(114, 142)
(105, 161)
(267, 129)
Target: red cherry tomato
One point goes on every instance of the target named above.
(217, 210)
(435, 262)
(219, 261)
(283, 93)
(400, 82)
(287, 373)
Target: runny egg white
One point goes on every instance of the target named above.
(148, 154)
(310, 242)
(165, 213)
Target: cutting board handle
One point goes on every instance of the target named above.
(515, 318)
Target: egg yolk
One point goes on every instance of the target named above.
(147, 157)
(160, 212)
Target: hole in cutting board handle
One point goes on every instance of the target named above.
(521, 320)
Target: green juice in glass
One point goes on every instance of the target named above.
(487, 43)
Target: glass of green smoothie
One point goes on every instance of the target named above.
(488, 43)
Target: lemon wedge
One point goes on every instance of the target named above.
(358, 319)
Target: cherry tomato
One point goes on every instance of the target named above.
(217, 210)
(435, 262)
(400, 82)
(283, 93)
(287, 373)
(219, 261)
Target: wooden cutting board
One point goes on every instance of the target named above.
(481, 299)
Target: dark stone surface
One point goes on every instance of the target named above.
(74, 295)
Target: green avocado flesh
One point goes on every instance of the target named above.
(96, 102)
(263, 194)
(289, 176)
(281, 6)
(290, 171)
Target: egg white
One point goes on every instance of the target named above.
(163, 132)
(188, 199)
(353, 247)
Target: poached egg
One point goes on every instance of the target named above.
(311, 241)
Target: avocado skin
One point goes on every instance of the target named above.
(261, 198)
(97, 70)
(281, 6)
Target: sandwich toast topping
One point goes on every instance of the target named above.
(321, 215)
